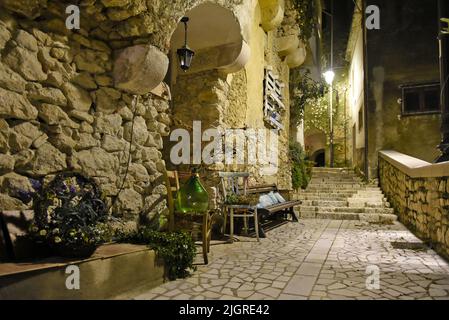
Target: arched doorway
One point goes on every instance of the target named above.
(319, 157)
(315, 141)
(200, 94)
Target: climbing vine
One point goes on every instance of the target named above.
(306, 17)
(304, 91)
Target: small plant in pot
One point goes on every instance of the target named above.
(239, 199)
(70, 216)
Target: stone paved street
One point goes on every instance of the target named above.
(315, 259)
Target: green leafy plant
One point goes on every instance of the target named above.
(69, 215)
(304, 91)
(306, 17)
(233, 198)
(301, 168)
(177, 249)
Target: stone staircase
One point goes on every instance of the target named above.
(339, 194)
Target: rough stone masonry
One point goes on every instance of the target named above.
(72, 100)
(61, 109)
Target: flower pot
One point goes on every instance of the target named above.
(81, 252)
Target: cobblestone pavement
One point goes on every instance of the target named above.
(315, 259)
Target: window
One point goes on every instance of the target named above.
(273, 99)
(421, 99)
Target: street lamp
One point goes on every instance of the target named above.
(329, 77)
(185, 54)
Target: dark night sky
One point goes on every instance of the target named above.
(343, 11)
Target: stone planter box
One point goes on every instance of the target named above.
(114, 271)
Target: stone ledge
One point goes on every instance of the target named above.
(113, 270)
(413, 167)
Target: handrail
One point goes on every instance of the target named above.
(413, 167)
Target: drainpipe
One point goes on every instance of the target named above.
(366, 88)
(443, 12)
(331, 102)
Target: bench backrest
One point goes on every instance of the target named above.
(262, 189)
(234, 182)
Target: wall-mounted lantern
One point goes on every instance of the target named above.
(185, 54)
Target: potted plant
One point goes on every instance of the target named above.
(238, 199)
(70, 216)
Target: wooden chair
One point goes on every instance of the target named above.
(172, 179)
(237, 183)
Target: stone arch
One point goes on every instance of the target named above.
(216, 35)
(315, 141)
(319, 157)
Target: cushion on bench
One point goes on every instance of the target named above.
(279, 197)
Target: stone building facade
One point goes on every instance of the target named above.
(95, 99)
(403, 83)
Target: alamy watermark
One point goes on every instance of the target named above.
(373, 277)
(226, 146)
(372, 20)
(72, 281)
(73, 20)
(373, 17)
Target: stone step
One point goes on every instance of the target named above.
(375, 218)
(334, 189)
(338, 193)
(325, 203)
(320, 198)
(337, 177)
(381, 218)
(346, 210)
(353, 200)
(369, 204)
(337, 216)
(303, 209)
(326, 195)
(324, 209)
(338, 189)
(322, 182)
(329, 196)
(334, 185)
(361, 210)
(332, 170)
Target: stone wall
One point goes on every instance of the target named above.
(391, 64)
(70, 99)
(234, 100)
(61, 111)
(422, 203)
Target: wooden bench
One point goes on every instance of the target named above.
(285, 208)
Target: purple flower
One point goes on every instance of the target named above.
(26, 197)
(36, 184)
